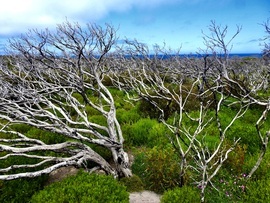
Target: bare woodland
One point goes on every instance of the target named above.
(209, 84)
(47, 71)
(47, 78)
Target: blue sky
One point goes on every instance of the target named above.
(178, 23)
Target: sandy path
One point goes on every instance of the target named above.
(144, 197)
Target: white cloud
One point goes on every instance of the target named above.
(17, 16)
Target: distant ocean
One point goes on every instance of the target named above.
(241, 55)
(234, 55)
(167, 56)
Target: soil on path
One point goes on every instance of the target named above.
(144, 197)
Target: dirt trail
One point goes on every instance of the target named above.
(144, 197)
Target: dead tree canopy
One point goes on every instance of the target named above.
(266, 50)
(197, 91)
(53, 81)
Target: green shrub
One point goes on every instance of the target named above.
(91, 111)
(231, 187)
(157, 135)
(98, 119)
(117, 93)
(263, 170)
(130, 116)
(248, 136)
(258, 191)
(139, 165)
(139, 132)
(83, 188)
(158, 168)
(185, 194)
(146, 132)
(18, 160)
(133, 183)
(236, 159)
(146, 109)
(22, 128)
(20, 190)
(45, 136)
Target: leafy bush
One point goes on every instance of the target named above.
(20, 190)
(236, 159)
(157, 135)
(258, 191)
(45, 136)
(22, 128)
(98, 119)
(231, 188)
(83, 188)
(248, 136)
(130, 116)
(185, 194)
(139, 132)
(91, 111)
(133, 183)
(158, 168)
(146, 132)
(263, 170)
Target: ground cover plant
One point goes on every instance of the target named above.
(193, 125)
(83, 188)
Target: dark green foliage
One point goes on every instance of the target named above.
(32, 132)
(236, 159)
(19, 160)
(46, 136)
(147, 109)
(22, 128)
(83, 188)
(133, 183)
(248, 136)
(20, 190)
(185, 194)
(104, 152)
(158, 168)
(169, 107)
(245, 129)
(263, 171)
(107, 81)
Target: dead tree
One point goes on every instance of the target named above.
(266, 50)
(52, 81)
(197, 90)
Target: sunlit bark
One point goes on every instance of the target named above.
(49, 83)
(196, 90)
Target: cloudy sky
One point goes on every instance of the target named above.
(178, 23)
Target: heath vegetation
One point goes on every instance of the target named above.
(190, 128)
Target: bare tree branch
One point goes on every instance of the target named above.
(48, 83)
(196, 91)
